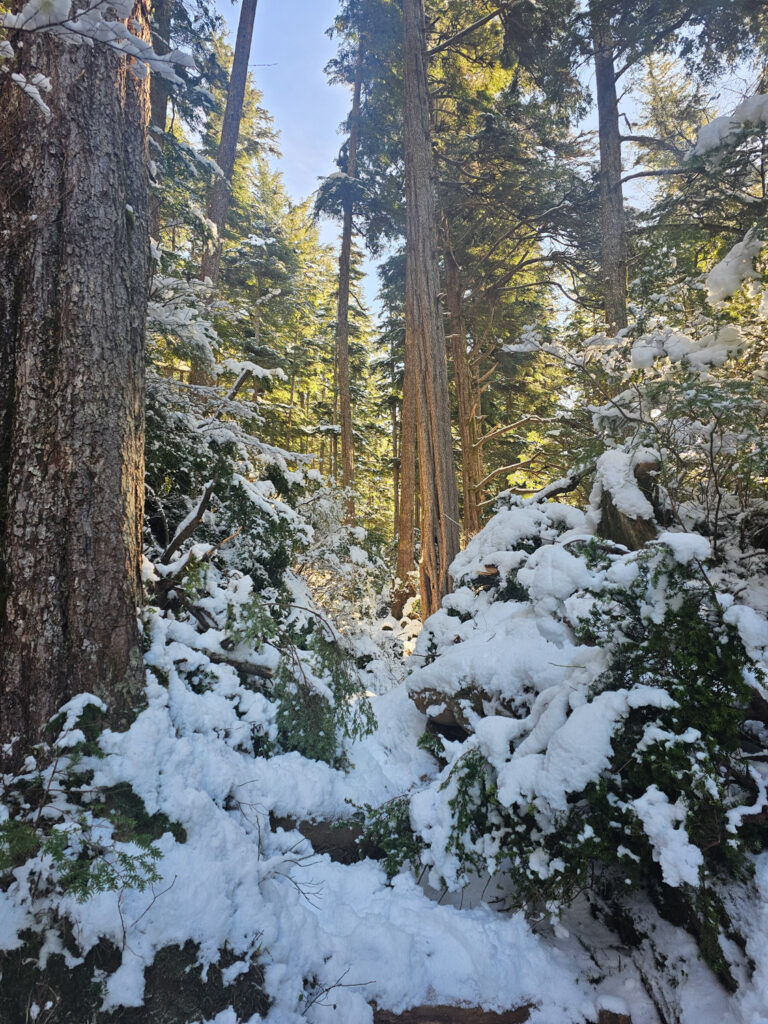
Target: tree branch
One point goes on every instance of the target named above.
(475, 25)
(190, 524)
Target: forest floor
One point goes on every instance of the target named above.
(336, 938)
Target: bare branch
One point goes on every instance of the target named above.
(473, 27)
(190, 525)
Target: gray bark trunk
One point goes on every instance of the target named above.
(613, 232)
(218, 199)
(159, 94)
(471, 453)
(342, 315)
(425, 337)
(74, 267)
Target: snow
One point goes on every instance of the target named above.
(495, 544)
(246, 880)
(680, 860)
(727, 276)
(753, 110)
(235, 881)
(90, 25)
(569, 762)
(686, 547)
(712, 349)
(615, 474)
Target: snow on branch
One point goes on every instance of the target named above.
(751, 111)
(87, 26)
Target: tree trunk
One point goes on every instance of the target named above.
(395, 464)
(74, 271)
(613, 232)
(406, 522)
(425, 338)
(471, 453)
(342, 317)
(158, 98)
(218, 198)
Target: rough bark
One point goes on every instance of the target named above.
(613, 232)
(74, 266)
(466, 402)
(219, 196)
(342, 314)
(425, 338)
(406, 521)
(395, 464)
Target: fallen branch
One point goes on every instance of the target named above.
(169, 583)
(190, 524)
(564, 486)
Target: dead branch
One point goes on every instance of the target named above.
(190, 525)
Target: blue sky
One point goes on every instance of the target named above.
(290, 50)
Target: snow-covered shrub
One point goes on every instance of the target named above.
(227, 530)
(69, 843)
(589, 705)
(343, 564)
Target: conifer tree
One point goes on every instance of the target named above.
(74, 273)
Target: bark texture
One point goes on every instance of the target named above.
(613, 232)
(342, 312)
(466, 401)
(425, 338)
(74, 267)
(218, 199)
(406, 519)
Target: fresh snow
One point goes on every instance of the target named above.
(246, 878)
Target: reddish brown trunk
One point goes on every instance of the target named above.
(406, 523)
(218, 198)
(425, 338)
(73, 291)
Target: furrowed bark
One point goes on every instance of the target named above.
(425, 338)
(406, 520)
(471, 452)
(74, 271)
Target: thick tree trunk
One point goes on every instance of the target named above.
(74, 269)
(218, 199)
(471, 452)
(425, 338)
(406, 521)
(613, 232)
(342, 315)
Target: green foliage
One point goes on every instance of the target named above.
(661, 625)
(84, 841)
(320, 703)
(388, 830)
